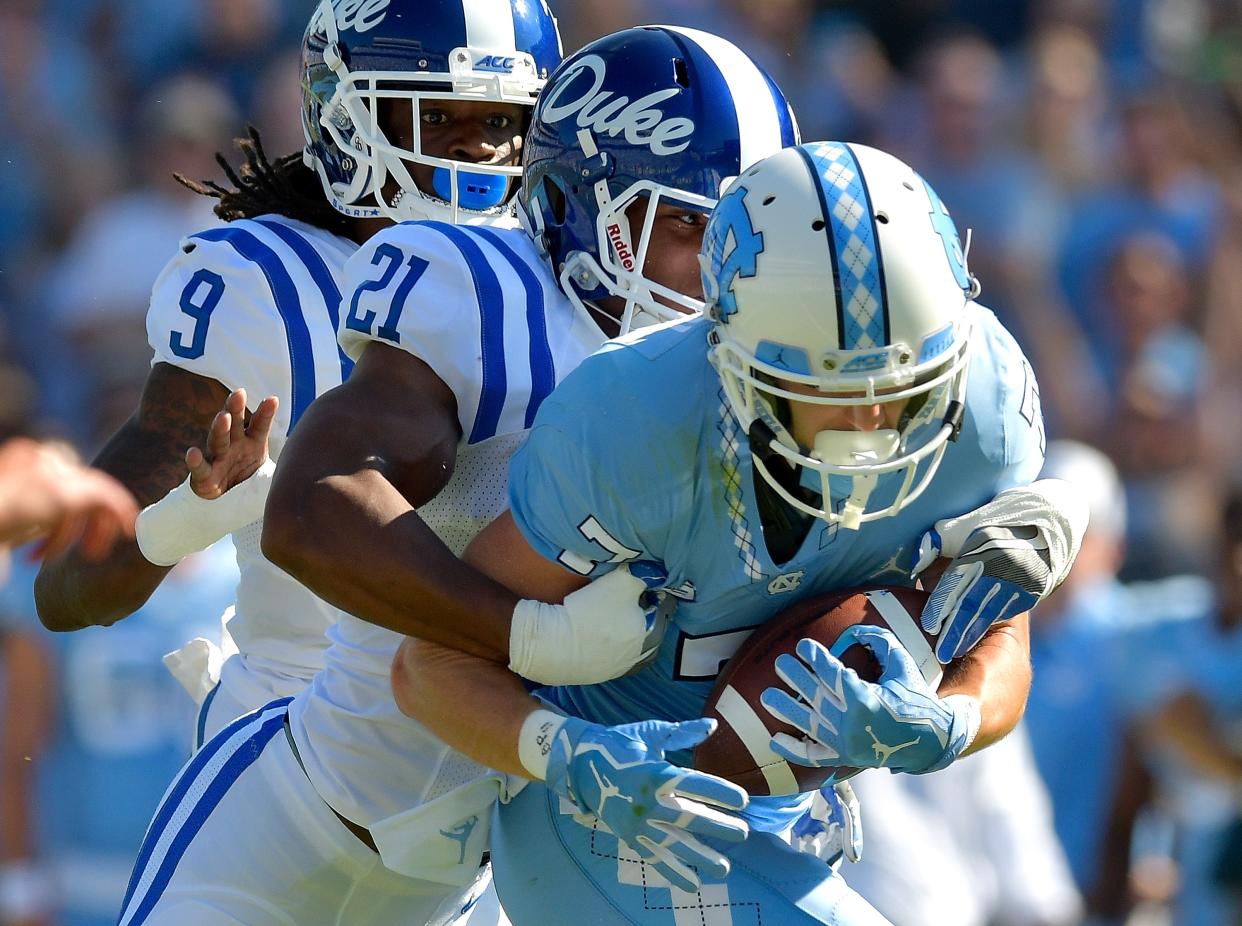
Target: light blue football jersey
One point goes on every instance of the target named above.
(120, 731)
(635, 456)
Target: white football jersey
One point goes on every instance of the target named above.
(255, 304)
(481, 308)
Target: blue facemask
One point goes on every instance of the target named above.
(476, 192)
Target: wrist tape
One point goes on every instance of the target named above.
(535, 741)
(182, 523)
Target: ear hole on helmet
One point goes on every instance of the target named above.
(556, 201)
(681, 74)
(769, 200)
(882, 218)
(908, 185)
(817, 225)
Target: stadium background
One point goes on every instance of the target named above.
(1093, 147)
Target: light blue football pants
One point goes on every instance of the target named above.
(552, 871)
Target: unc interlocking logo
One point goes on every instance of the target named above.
(944, 226)
(788, 582)
(731, 228)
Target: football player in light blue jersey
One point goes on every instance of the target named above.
(458, 333)
(845, 412)
(412, 109)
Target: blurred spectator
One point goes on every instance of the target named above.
(1100, 665)
(1153, 365)
(832, 69)
(103, 728)
(1196, 738)
(99, 289)
(995, 191)
(971, 845)
(1160, 186)
(56, 130)
(1067, 107)
(1223, 337)
(277, 107)
(232, 44)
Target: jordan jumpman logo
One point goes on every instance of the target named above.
(460, 834)
(884, 752)
(607, 789)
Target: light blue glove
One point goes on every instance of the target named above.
(897, 723)
(831, 829)
(998, 573)
(619, 776)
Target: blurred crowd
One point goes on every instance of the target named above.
(1093, 148)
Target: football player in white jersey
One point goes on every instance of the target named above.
(255, 304)
(458, 334)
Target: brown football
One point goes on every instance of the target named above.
(739, 749)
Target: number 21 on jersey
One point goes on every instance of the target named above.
(393, 260)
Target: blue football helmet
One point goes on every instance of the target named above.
(836, 278)
(358, 52)
(659, 112)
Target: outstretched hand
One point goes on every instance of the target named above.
(235, 450)
(45, 495)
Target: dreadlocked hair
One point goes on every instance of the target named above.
(288, 187)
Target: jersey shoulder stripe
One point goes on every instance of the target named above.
(490, 299)
(288, 304)
(317, 267)
(542, 365)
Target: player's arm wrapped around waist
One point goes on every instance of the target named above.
(600, 632)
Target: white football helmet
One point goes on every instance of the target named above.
(357, 54)
(836, 267)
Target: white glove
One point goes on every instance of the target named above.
(601, 632)
(831, 829)
(1008, 555)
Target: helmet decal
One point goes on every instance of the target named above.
(360, 15)
(641, 121)
(946, 228)
(731, 228)
(862, 308)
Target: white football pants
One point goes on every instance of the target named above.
(241, 837)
